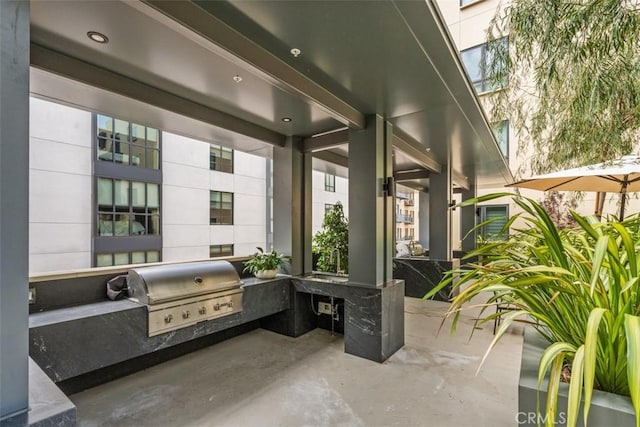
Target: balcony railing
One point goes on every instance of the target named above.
(406, 219)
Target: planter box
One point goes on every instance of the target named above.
(606, 409)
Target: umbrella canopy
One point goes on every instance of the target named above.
(616, 176)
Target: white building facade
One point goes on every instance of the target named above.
(467, 22)
(99, 196)
(328, 190)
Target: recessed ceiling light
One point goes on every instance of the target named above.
(287, 119)
(98, 37)
(295, 52)
(237, 78)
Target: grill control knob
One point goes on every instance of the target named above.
(202, 310)
(216, 307)
(168, 318)
(186, 314)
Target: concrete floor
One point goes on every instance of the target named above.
(265, 379)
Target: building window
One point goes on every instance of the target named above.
(127, 143)
(220, 159)
(475, 61)
(327, 208)
(329, 182)
(468, 2)
(501, 132)
(499, 215)
(127, 208)
(221, 208)
(220, 250)
(123, 258)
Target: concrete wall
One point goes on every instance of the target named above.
(60, 187)
(185, 198)
(249, 188)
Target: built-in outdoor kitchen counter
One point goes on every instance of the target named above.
(373, 316)
(421, 274)
(79, 345)
(83, 345)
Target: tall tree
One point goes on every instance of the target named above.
(573, 66)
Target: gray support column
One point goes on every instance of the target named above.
(468, 220)
(14, 207)
(423, 219)
(292, 193)
(370, 208)
(268, 238)
(440, 195)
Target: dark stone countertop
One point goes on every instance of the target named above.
(71, 341)
(421, 274)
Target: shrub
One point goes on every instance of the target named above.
(578, 287)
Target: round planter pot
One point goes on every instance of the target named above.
(265, 274)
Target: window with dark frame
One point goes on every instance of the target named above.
(122, 258)
(221, 208)
(127, 208)
(499, 214)
(327, 208)
(467, 2)
(329, 182)
(475, 60)
(127, 143)
(220, 159)
(220, 250)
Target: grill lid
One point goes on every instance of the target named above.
(162, 283)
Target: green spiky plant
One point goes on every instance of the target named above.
(578, 287)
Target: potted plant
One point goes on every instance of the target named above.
(264, 265)
(331, 244)
(579, 288)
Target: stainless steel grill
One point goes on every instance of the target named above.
(179, 295)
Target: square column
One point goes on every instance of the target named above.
(423, 219)
(468, 220)
(292, 204)
(14, 208)
(440, 196)
(370, 204)
(374, 308)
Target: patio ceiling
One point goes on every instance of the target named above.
(389, 58)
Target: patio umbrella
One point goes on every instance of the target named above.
(616, 176)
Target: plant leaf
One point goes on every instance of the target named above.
(575, 387)
(590, 347)
(632, 330)
(507, 320)
(598, 256)
(553, 355)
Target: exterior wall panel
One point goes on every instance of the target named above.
(60, 186)
(221, 234)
